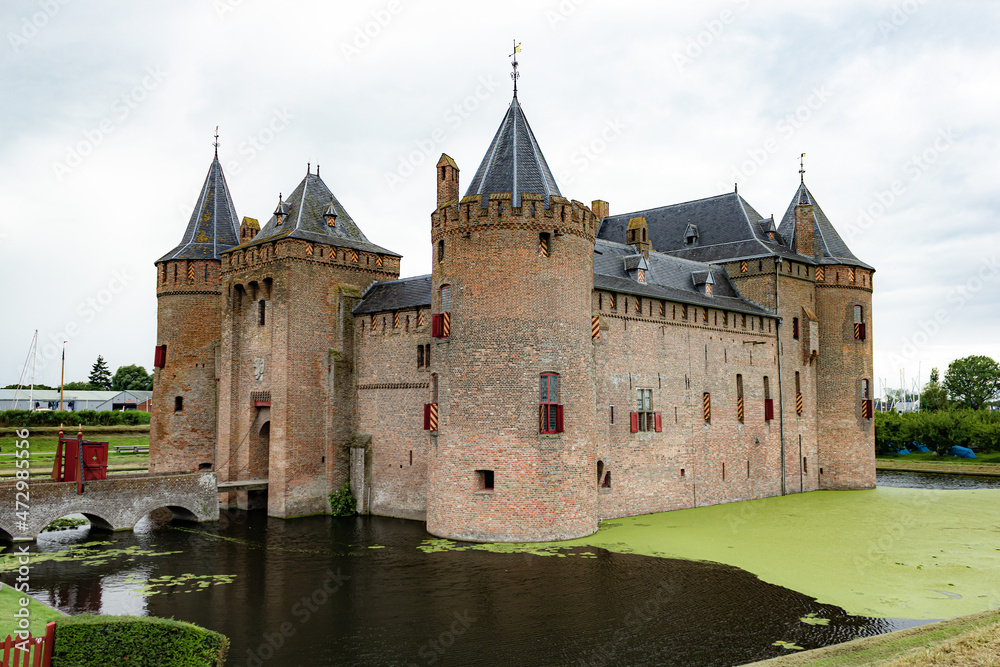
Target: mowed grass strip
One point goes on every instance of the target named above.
(10, 604)
(43, 452)
(966, 641)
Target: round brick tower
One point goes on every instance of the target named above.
(844, 384)
(513, 454)
(183, 432)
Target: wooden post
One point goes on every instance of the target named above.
(79, 449)
(50, 642)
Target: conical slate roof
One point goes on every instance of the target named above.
(214, 225)
(305, 218)
(514, 163)
(829, 245)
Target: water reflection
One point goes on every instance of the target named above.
(322, 591)
(921, 480)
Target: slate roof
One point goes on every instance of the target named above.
(668, 277)
(305, 220)
(830, 248)
(514, 163)
(727, 225)
(400, 294)
(214, 225)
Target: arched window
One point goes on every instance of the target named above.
(860, 330)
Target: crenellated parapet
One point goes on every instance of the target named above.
(561, 216)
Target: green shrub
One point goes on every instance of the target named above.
(939, 430)
(343, 502)
(85, 417)
(129, 641)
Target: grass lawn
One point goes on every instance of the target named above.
(981, 457)
(40, 614)
(964, 641)
(43, 450)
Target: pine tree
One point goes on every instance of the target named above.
(100, 374)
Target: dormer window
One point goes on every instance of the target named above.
(330, 214)
(691, 235)
(281, 211)
(641, 276)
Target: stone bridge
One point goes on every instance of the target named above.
(117, 503)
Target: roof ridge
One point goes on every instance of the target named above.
(683, 203)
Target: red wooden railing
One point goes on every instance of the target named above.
(30, 652)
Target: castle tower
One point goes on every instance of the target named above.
(843, 357)
(287, 391)
(188, 317)
(513, 453)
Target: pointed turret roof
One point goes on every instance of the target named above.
(829, 245)
(214, 226)
(514, 163)
(306, 211)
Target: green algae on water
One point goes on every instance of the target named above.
(184, 583)
(89, 554)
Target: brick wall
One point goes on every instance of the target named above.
(188, 322)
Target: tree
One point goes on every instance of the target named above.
(934, 397)
(132, 377)
(100, 374)
(973, 381)
(78, 386)
(24, 386)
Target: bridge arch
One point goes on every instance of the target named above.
(178, 513)
(97, 522)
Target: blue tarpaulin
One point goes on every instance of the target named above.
(962, 452)
(920, 447)
(903, 452)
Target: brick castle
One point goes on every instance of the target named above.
(560, 365)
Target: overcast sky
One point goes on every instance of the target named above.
(108, 111)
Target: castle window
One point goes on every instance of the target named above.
(395, 320)
(706, 407)
(441, 248)
(795, 328)
(420, 318)
(638, 305)
(641, 276)
(860, 332)
(684, 312)
(550, 411)
(644, 419)
(743, 321)
(798, 394)
(867, 411)
(484, 480)
(739, 398)
(441, 322)
(600, 472)
(613, 303)
(606, 484)
(663, 309)
(160, 356)
(261, 314)
(444, 173)
(768, 401)
(534, 210)
(704, 315)
(544, 241)
(420, 356)
(178, 403)
(424, 356)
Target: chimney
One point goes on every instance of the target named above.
(600, 208)
(447, 181)
(805, 239)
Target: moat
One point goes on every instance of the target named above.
(376, 591)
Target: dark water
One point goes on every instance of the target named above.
(312, 592)
(921, 480)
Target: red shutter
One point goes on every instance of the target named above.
(768, 408)
(436, 326)
(862, 331)
(160, 356)
(559, 419)
(633, 420)
(427, 416)
(657, 422)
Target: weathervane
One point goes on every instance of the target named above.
(216, 142)
(515, 74)
(802, 168)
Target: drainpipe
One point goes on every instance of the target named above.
(781, 399)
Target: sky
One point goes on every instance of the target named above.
(109, 109)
